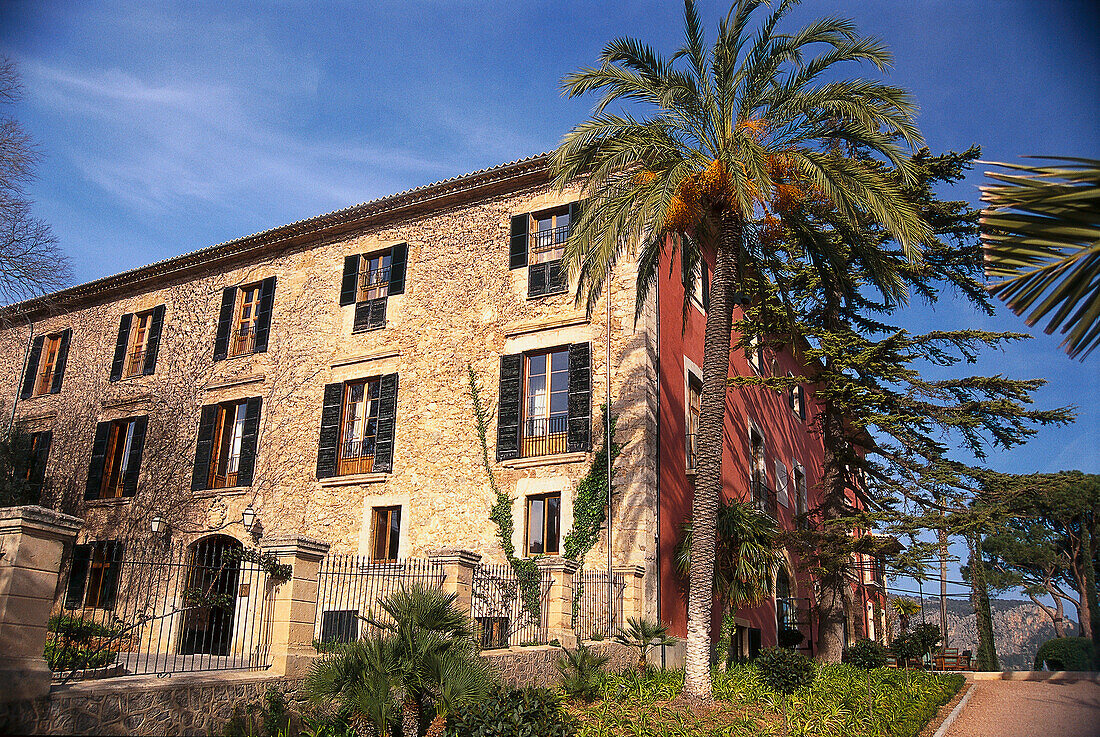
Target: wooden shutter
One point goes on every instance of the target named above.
(575, 213)
(249, 440)
(31, 371)
(133, 461)
(387, 420)
(557, 279)
(108, 592)
(517, 252)
(99, 454)
(41, 455)
(78, 575)
(225, 317)
(362, 317)
(781, 493)
(399, 256)
(200, 476)
(538, 280)
(121, 343)
(62, 359)
(152, 343)
(377, 318)
(263, 314)
(580, 398)
(349, 283)
(508, 406)
(330, 430)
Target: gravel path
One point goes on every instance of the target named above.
(1025, 708)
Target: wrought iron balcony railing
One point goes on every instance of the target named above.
(543, 436)
(243, 340)
(763, 498)
(135, 363)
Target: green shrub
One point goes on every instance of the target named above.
(784, 671)
(580, 672)
(67, 655)
(528, 711)
(790, 638)
(1065, 653)
(865, 654)
(269, 719)
(78, 628)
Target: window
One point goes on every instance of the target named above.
(763, 498)
(225, 454)
(46, 364)
(93, 578)
(695, 397)
(797, 399)
(387, 533)
(546, 403)
(538, 242)
(781, 484)
(244, 323)
(696, 283)
(116, 458)
(357, 427)
(543, 524)
(341, 625)
(755, 355)
(801, 507)
(368, 282)
(137, 344)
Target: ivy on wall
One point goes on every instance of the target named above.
(590, 505)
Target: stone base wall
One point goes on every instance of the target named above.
(536, 666)
(198, 704)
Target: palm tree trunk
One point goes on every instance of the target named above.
(708, 479)
(410, 717)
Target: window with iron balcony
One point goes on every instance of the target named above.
(244, 322)
(45, 367)
(538, 242)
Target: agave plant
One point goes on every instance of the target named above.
(1041, 231)
(423, 655)
(643, 635)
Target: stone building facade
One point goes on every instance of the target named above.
(238, 376)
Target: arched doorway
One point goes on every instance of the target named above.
(213, 573)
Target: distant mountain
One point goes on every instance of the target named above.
(1019, 628)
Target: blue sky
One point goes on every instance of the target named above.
(167, 127)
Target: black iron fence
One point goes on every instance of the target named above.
(159, 609)
(349, 587)
(594, 616)
(509, 611)
(545, 435)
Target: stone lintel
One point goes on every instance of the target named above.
(298, 546)
(455, 556)
(535, 326)
(39, 521)
(635, 570)
(554, 460)
(376, 356)
(252, 379)
(558, 563)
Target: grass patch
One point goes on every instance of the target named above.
(844, 701)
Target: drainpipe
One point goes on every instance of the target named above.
(607, 449)
(18, 383)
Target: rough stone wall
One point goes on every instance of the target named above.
(462, 305)
(183, 705)
(537, 666)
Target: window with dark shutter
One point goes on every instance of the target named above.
(62, 359)
(374, 279)
(580, 398)
(249, 441)
(78, 576)
(349, 283)
(517, 251)
(508, 406)
(133, 456)
(116, 462)
(122, 343)
(200, 478)
(263, 315)
(330, 430)
(399, 257)
(547, 233)
(225, 320)
(99, 455)
(387, 420)
(30, 375)
(152, 343)
(40, 453)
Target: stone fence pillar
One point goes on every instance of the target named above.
(458, 574)
(32, 540)
(633, 594)
(559, 602)
(295, 606)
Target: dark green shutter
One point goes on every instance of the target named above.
(538, 280)
(349, 283)
(517, 252)
(263, 314)
(362, 317)
(249, 440)
(41, 455)
(152, 344)
(508, 406)
(62, 359)
(377, 313)
(330, 430)
(387, 420)
(580, 398)
(399, 257)
(557, 279)
(31, 371)
(200, 476)
(121, 343)
(78, 575)
(133, 461)
(99, 455)
(225, 317)
(108, 593)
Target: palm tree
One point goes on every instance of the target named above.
(1041, 231)
(643, 635)
(422, 654)
(730, 140)
(905, 608)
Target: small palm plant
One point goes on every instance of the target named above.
(643, 635)
(422, 656)
(905, 608)
(579, 671)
